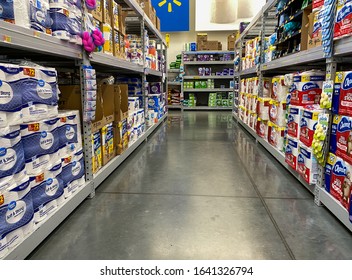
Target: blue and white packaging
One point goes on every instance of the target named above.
(59, 14)
(90, 95)
(133, 104)
(47, 192)
(75, 24)
(154, 102)
(39, 93)
(69, 133)
(90, 106)
(39, 16)
(41, 142)
(73, 173)
(16, 214)
(11, 86)
(12, 162)
(89, 74)
(90, 84)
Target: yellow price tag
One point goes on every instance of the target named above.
(167, 39)
(7, 39)
(305, 79)
(36, 34)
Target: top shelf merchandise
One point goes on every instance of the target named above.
(127, 73)
(288, 94)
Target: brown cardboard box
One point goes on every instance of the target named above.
(219, 46)
(202, 37)
(121, 104)
(311, 41)
(98, 12)
(115, 15)
(122, 22)
(108, 142)
(231, 39)
(107, 11)
(120, 136)
(148, 8)
(157, 23)
(211, 45)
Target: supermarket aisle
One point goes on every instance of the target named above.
(199, 189)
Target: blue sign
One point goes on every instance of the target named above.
(173, 14)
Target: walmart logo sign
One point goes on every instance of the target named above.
(173, 14)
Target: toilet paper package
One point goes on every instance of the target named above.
(73, 173)
(130, 120)
(291, 152)
(41, 143)
(307, 165)
(39, 93)
(307, 88)
(308, 123)
(155, 88)
(69, 132)
(16, 214)
(255, 85)
(343, 19)
(253, 121)
(293, 121)
(12, 160)
(244, 86)
(262, 128)
(154, 102)
(59, 14)
(341, 137)
(276, 136)
(10, 94)
(342, 98)
(133, 104)
(75, 25)
(338, 179)
(277, 113)
(47, 192)
(39, 16)
(267, 87)
(263, 105)
(280, 90)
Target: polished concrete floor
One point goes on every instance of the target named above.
(200, 188)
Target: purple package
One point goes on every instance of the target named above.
(218, 73)
(206, 57)
(154, 88)
(232, 72)
(207, 72)
(201, 71)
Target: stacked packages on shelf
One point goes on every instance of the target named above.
(251, 57)
(220, 99)
(156, 103)
(61, 19)
(41, 157)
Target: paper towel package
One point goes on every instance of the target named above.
(267, 87)
(338, 179)
(307, 165)
(10, 94)
(262, 128)
(73, 173)
(342, 98)
(277, 113)
(280, 90)
(130, 120)
(97, 157)
(343, 19)
(47, 192)
(69, 132)
(41, 143)
(276, 136)
(293, 121)
(291, 152)
(307, 88)
(16, 214)
(12, 160)
(39, 93)
(263, 105)
(60, 20)
(308, 123)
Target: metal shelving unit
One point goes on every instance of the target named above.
(208, 62)
(208, 77)
(174, 83)
(117, 161)
(173, 70)
(303, 60)
(207, 108)
(208, 90)
(249, 71)
(209, 52)
(19, 42)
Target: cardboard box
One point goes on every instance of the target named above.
(121, 103)
(116, 12)
(121, 136)
(122, 22)
(98, 12)
(97, 157)
(231, 40)
(313, 39)
(148, 8)
(108, 36)
(107, 11)
(219, 46)
(157, 23)
(211, 45)
(107, 142)
(202, 37)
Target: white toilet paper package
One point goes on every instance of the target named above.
(39, 16)
(69, 132)
(41, 144)
(10, 94)
(46, 192)
(60, 20)
(12, 160)
(16, 215)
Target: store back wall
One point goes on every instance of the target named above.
(178, 39)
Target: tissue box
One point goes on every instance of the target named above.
(291, 152)
(107, 141)
(307, 165)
